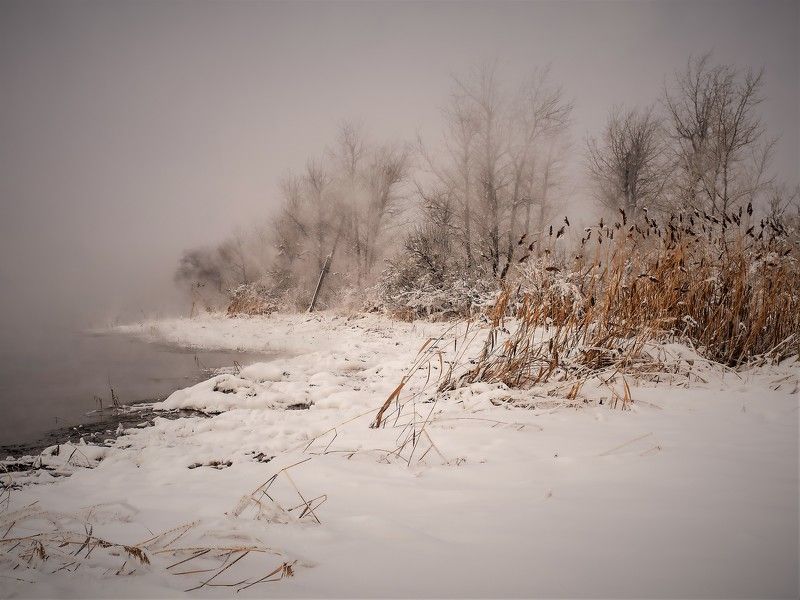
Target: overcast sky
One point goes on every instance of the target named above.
(132, 130)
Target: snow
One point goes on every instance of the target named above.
(693, 492)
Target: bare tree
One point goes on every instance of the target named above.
(482, 93)
(430, 242)
(548, 178)
(499, 153)
(753, 180)
(290, 231)
(783, 201)
(714, 127)
(350, 149)
(317, 181)
(628, 161)
(383, 177)
(461, 130)
(367, 184)
(539, 112)
(233, 252)
(348, 155)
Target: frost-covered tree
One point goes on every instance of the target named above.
(382, 178)
(718, 136)
(538, 118)
(628, 162)
(501, 154)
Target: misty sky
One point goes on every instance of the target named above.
(132, 130)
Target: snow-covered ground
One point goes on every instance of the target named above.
(691, 493)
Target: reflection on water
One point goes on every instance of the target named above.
(65, 378)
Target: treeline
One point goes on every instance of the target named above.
(347, 202)
(437, 225)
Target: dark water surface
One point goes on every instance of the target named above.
(61, 381)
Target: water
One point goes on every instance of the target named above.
(58, 383)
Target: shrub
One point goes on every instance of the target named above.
(424, 281)
(251, 299)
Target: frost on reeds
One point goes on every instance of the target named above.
(266, 505)
(654, 300)
(728, 287)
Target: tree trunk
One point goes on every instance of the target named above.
(467, 216)
(512, 227)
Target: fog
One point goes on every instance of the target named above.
(130, 131)
(551, 252)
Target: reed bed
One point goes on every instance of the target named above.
(727, 286)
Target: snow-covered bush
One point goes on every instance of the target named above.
(252, 299)
(424, 281)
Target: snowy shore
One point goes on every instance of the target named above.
(693, 492)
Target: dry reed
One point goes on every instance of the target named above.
(727, 286)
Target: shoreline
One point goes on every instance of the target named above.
(709, 467)
(60, 390)
(106, 428)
